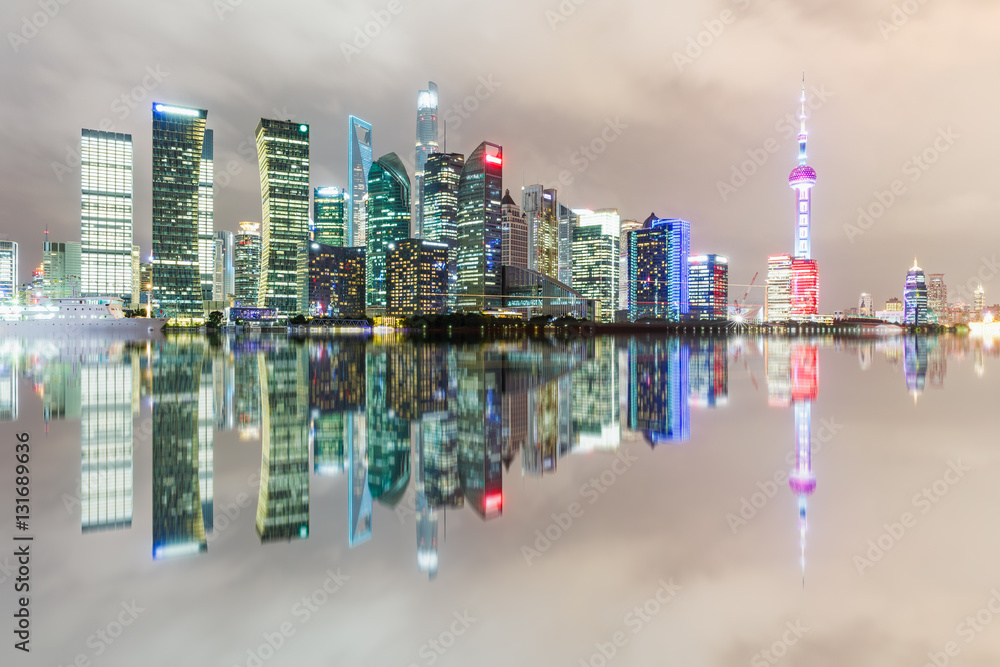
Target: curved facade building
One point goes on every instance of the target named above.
(479, 229)
(388, 221)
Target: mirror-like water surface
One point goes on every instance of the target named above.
(634, 501)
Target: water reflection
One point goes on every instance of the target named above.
(418, 429)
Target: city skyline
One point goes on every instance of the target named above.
(694, 126)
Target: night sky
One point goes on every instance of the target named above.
(685, 91)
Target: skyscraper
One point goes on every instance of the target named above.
(427, 143)
(866, 306)
(709, 286)
(106, 214)
(979, 304)
(246, 265)
(336, 281)
(805, 273)
(915, 296)
(330, 217)
(359, 161)
(225, 279)
(479, 229)
(779, 288)
(178, 149)
(514, 234)
(61, 264)
(540, 206)
(206, 217)
(136, 278)
(567, 220)
(388, 221)
(283, 157)
(440, 216)
(658, 269)
(596, 260)
(805, 289)
(416, 278)
(937, 294)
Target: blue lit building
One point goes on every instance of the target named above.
(658, 269)
(915, 296)
(658, 388)
(708, 277)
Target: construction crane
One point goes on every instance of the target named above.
(740, 307)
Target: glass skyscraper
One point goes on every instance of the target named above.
(658, 269)
(246, 265)
(61, 268)
(225, 278)
(709, 286)
(106, 214)
(388, 221)
(330, 217)
(359, 158)
(595, 260)
(539, 206)
(442, 173)
(178, 149)
(206, 217)
(8, 272)
(283, 156)
(479, 229)
(514, 242)
(915, 296)
(779, 288)
(427, 143)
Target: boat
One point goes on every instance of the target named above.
(98, 314)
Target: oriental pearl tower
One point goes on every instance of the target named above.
(805, 384)
(805, 273)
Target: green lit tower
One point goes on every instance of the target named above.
(388, 220)
(178, 150)
(283, 157)
(330, 217)
(480, 229)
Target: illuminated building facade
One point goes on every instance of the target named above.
(136, 277)
(779, 288)
(915, 296)
(246, 264)
(8, 272)
(595, 265)
(206, 216)
(937, 295)
(106, 214)
(567, 220)
(61, 264)
(178, 149)
(442, 173)
(479, 229)
(866, 306)
(427, 143)
(658, 276)
(359, 162)
(709, 286)
(979, 303)
(514, 234)
(283, 158)
(336, 281)
(225, 266)
(805, 288)
(330, 216)
(540, 206)
(805, 274)
(416, 278)
(531, 293)
(388, 221)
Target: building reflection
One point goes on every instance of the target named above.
(659, 386)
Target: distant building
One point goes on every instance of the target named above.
(106, 214)
(779, 288)
(915, 296)
(416, 278)
(514, 234)
(225, 267)
(627, 226)
(540, 207)
(709, 286)
(336, 279)
(388, 220)
(8, 272)
(246, 263)
(136, 284)
(658, 269)
(979, 303)
(567, 220)
(283, 154)
(329, 225)
(479, 229)
(61, 263)
(866, 307)
(894, 304)
(937, 294)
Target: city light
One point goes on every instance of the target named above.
(180, 111)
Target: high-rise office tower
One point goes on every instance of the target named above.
(479, 233)
(8, 272)
(658, 269)
(225, 282)
(61, 263)
(779, 288)
(567, 220)
(596, 260)
(627, 226)
(540, 208)
(283, 157)
(246, 265)
(178, 148)
(440, 216)
(136, 277)
(937, 294)
(427, 143)
(805, 273)
(514, 234)
(416, 278)
(866, 306)
(915, 296)
(709, 286)
(206, 217)
(359, 161)
(330, 217)
(106, 214)
(336, 281)
(979, 303)
(388, 221)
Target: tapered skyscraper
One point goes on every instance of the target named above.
(359, 158)
(106, 214)
(427, 143)
(178, 150)
(283, 155)
(388, 221)
(479, 229)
